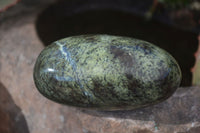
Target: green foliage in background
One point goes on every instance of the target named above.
(175, 3)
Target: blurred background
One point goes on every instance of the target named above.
(27, 26)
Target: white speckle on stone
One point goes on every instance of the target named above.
(22, 92)
(44, 116)
(59, 44)
(141, 112)
(104, 38)
(62, 118)
(155, 127)
(50, 70)
(21, 57)
(192, 124)
(112, 119)
(85, 130)
(193, 108)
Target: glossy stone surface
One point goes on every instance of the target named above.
(106, 72)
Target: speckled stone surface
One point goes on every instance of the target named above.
(106, 72)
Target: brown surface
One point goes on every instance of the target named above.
(5, 122)
(11, 118)
(19, 48)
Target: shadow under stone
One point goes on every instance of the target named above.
(12, 119)
(183, 107)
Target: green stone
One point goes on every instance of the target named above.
(106, 72)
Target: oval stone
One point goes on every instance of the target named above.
(106, 72)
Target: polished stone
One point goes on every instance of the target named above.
(106, 72)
